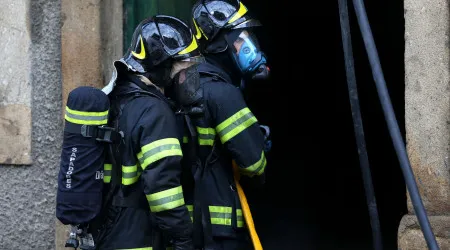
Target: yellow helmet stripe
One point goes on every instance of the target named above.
(190, 48)
(242, 10)
(141, 54)
(198, 34)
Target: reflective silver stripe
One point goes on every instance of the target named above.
(239, 218)
(159, 149)
(85, 117)
(165, 200)
(235, 124)
(220, 215)
(257, 168)
(191, 211)
(206, 136)
(129, 175)
(107, 168)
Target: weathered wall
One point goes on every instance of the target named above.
(427, 116)
(15, 87)
(27, 200)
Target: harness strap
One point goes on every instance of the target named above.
(100, 133)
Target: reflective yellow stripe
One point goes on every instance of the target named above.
(189, 48)
(191, 211)
(220, 215)
(85, 113)
(257, 168)
(129, 175)
(185, 139)
(107, 173)
(86, 118)
(165, 200)
(106, 179)
(159, 149)
(141, 54)
(239, 218)
(206, 136)
(198, 34)
(235, 124)
(242, 10)
(202, 32)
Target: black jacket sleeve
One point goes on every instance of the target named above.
(237, 128)
(160, 159)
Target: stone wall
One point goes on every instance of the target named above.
(427, 117)
(30, 76)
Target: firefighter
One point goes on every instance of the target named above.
(226, 130)
(149, 200)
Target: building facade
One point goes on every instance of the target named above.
(49, 47)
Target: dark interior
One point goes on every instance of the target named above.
(314, 196)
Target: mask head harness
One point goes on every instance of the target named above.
(222, 25)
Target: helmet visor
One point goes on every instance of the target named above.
(173, 34)
(221, 11)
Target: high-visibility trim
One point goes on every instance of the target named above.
(206, 136)
(220, 215)
(129, 175)
(257, 168)
(107, 168)
(198, 34)
(86, 118)
(240, 218)
(159, 149)
(190, 208)
(241, 12)
(235, 124)
(185, 139)
(165, 200)
(141, 54)
(189, 48)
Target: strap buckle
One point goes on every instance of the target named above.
(107, 134)
(101, 133)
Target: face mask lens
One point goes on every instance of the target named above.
(246, 50)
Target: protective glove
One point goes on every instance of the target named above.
(267, 142)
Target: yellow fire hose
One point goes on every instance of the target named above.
(246, 209)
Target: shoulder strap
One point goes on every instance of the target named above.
(215, 76)
(115, 156)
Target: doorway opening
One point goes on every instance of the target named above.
(314, 196)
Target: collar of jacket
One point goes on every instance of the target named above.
(212, 69)
(131, 84)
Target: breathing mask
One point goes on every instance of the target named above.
(247, 55)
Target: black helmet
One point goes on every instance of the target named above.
(211, 16)
(157, 42)
(158, 39)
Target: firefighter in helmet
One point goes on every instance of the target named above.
(148, 208)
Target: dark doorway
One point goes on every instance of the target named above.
(314, 196)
